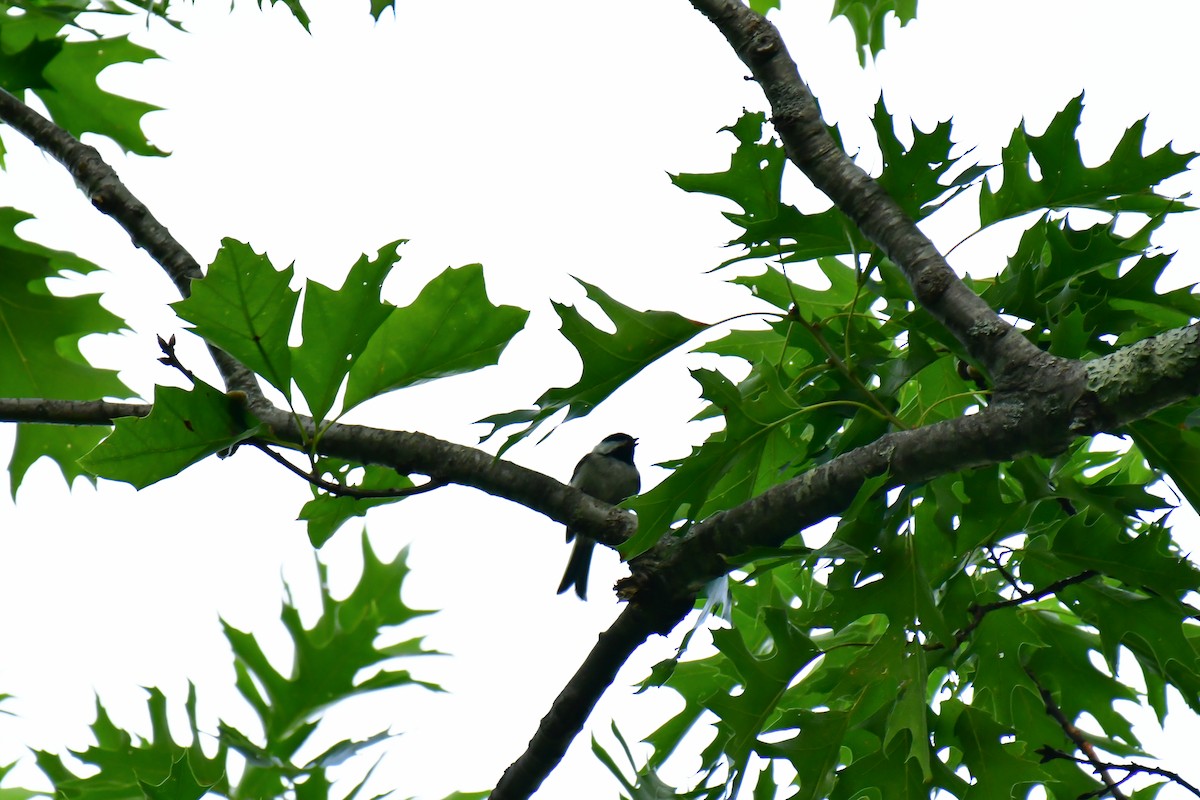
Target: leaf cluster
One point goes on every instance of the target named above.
(934, 641)
(339, 658)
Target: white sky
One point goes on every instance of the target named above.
(534, 139)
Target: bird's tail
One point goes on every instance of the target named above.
(577, 568)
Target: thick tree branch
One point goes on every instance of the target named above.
(96, 179)
(1066, 400)
(575, 702)
(444, 462)
(797, 120)
(68, 412)
(1103, 394)
(1058, 399)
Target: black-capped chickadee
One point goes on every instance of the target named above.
(607, 473)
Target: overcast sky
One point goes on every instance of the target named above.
(534, 139)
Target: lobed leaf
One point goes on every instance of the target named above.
(451, 328)
(244, 306)
(183, 427)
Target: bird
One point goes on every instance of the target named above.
(609, 474)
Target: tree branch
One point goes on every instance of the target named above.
(979, 612)
(575, 702)
(797, 120)
(341, 490)
(68, 412)
(1049, 754)
(96, 179)
(1077, 736)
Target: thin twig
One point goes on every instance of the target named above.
(978, 612)
(1131, 767)
(172, 360)
(346, 491)
(1012, 581)
(1077, 736)
(841, 366)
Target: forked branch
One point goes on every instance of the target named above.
(797, 120)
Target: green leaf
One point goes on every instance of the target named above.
(998, 767)
(763, 680)
(77, 103)
(772, 229)
(127, 767)
(918, 177)
(180, 784)
(609, 359)
(337, 325)
(814, 752)
(1123, 183)
(1170, 444)
(754, 176)
(910, 710)
(765, 442)
(379, 6)
(1064, 667)
(1146, 560)
(39, 331)
(1077, 286)
(328, 657)
(451, 328)
(27, 45)
(884, 775)
(183, 428)
(891, 581)
(1151, 627)
(64, 444)
(867, 18)
(244, 306)
(325, 513)
(297, 9)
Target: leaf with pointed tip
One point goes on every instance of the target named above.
(1151, 627)
(609, 359)
(180, 784)
(918, 177)
(329, 656)
(326, 512)
(183, 428)
(336, 325)
(814, 751)
(997, 765)
(130, 767)
(766, 439)
(868, 19)
(451, 328)
(1171, 444)
(64, 444)
(297, 9)
(40, 331)
(909, 713)
(1125, 182)
(244, 306)
(77, 103)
